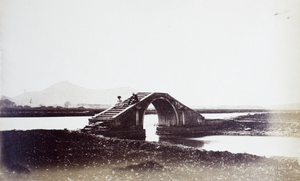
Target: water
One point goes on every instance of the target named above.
(258, 145)
(150, 124)
(226, 115)
(71, 123)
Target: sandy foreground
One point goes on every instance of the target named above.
(71, 155)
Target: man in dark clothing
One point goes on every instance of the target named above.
(133, 99)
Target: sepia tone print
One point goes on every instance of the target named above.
(149, 90)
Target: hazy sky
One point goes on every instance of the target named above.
(205, 52)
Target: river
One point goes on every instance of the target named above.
(257, 145)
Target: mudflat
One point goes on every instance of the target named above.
(71, 155)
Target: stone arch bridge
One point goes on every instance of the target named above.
(126, 121)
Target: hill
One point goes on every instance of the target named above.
(62, 92)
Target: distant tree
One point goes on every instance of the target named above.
(7, 103)
(67, 104)
(42, 106)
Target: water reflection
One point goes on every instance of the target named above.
(182, 141)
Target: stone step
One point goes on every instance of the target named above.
(109, 114)
(113, 111)
(105, 116)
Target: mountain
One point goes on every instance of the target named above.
(62, 92)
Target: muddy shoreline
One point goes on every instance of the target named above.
(31, 154)
(261, 124)
(285, 124)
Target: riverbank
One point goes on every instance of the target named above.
(70, 155)
(47, 111)
(266, 124)
(285, 124)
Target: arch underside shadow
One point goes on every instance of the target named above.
(167, 114)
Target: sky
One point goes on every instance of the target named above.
(201, 52)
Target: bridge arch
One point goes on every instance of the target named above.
(166, 112)
(128, 120)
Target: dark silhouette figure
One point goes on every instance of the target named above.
(133, 99)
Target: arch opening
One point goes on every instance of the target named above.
(166, 112)
(164, 115)
(167, 115)
(150, 124)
